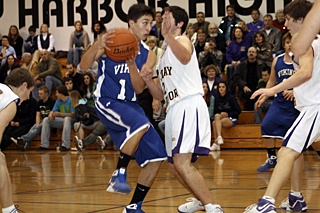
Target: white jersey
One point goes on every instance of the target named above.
(6, 96)
(308, 94)
(179, 81)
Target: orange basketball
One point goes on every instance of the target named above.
(123, 47)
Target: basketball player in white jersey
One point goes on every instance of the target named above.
(306, 129)
(187, 131)
(19, 85)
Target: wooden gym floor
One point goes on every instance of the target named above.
(75, 182)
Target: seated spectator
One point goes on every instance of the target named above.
(201, 23)
(272, 34)
(156, 29)
(45, 39)
(79, 41)
(21, 123)
(72, 73)
(209, 99)
(226, 113)
(48, 74)
(214, 57)
(236, 51)
(61, 117)
(201, 41)
(88, 86)
(212, 79)
(15, 40)
(213, 32)
(85, 115)
(68, 82)
(191, 34)
(6, 49)
(152, 43)
(11, 64)
(44, 106)
(246, 35)
(256, 23)
(264, 49)
(202, 57)
(95, 136)
(98, 29)
(279, 21)
(31, 43)
(247, 76)
(228, 23)
(266, 105)
(30, 62)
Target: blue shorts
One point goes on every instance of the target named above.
(277, 121)
(124, 119)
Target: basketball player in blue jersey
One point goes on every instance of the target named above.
(306, 129)
(18, 86)
(272, 127)
(187, 132)
(118, 84)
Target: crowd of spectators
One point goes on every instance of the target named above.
(238, 50)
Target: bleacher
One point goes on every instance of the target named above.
(245, 135)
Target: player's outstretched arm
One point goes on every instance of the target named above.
(182, 47)
(152, 84)
(95, 50)
(310, 28)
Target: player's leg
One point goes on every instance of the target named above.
(295, 201)
(6, 199)
(271, 155)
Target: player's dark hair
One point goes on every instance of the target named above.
(297, 9)
(138, 10)
(179, 15)
(18, 76)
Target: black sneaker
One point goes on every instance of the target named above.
(63, 149)
(42, 149)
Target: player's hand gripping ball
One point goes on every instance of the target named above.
(124, 45)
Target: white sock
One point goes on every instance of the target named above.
(9, 209)
(272, 200)
(296, 194)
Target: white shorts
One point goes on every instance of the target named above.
(305, 130)
(187, 127)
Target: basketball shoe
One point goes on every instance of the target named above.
(133, 208)
(118, 182)
(215, 147)
(263, 206)
(270, 163)
(20, 142)
(219, 140)
(293, 203)
(192, 205)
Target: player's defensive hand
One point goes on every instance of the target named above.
(263, 94)
(146, 73)
(166, 24)
(288, 95)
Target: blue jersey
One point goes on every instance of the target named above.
(283, 71)
(113, 79)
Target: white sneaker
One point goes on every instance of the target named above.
(78, 143)
(215, 147)
(216, 209)
(219, 140)
(101, 143)
(192, 206)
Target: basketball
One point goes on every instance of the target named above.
(123, 47)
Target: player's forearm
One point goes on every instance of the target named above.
(155, 90)
(137, 82)
(90, 56)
